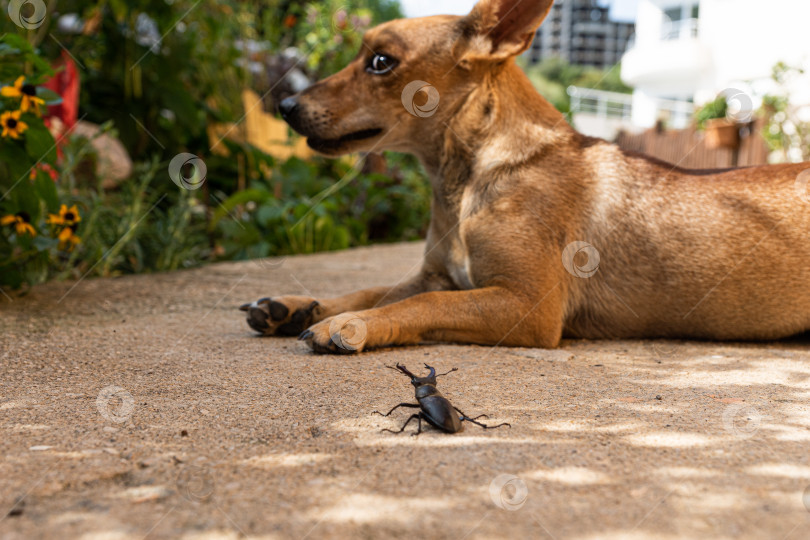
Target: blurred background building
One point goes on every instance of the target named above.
(661, 63)
(689, 51)
(582, 33)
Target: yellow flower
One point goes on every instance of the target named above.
(12, 125)
(21, 222)
(68, 219)
(67, 216)
(68, 238)
(28, 93)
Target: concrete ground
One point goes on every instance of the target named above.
(143, 407)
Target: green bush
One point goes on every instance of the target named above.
(159, 94)
(711, 111)
(33, 233)
(160, 71)
(142, 227)
(300, 208)
(552, 77)
(328, 32)
(787, 131)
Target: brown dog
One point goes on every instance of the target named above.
(539, 232)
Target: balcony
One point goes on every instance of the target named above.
(603, 114)
(683, 29)
(601, 104)
(672, 65)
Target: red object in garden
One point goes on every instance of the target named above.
(66, 84)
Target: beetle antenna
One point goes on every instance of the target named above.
(451, 371)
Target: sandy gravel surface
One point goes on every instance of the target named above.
(143, 407)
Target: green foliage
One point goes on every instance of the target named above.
(711, 111)
(156, 74)
(161, 71)
(609, 80)
(329, 33)
(27, 156)
(554, 75)
(785, 131)
(300, 208)
(553, 91)
(149, 225)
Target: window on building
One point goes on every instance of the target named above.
(674, 14)
(680, 13)
(680, 22)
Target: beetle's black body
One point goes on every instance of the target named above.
(435, 408)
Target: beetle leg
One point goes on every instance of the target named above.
(459, 411)
(443, 374)
(416, 415)
(419, 426)
(471, 420)
(411, 405)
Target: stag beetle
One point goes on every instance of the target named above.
(436, 409)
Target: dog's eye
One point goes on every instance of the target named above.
(380, 64)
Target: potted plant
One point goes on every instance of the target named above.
(720, 131)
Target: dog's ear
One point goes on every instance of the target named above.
(499, 29)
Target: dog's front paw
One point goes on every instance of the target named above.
(283, 316)
(346, 333)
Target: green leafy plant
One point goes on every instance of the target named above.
(149, 225)
(156, 74)
(711, 111)
(554, 75)
(30, 237)
(328, 33)
(299, 208)
(160, 71)
(785, 131)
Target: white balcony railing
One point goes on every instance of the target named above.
(683, 29)
(600, 103)
(617, 106)
(676, 114)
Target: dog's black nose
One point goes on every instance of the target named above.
(287, 107)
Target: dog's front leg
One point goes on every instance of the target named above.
(489, 316)
(291, 315)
